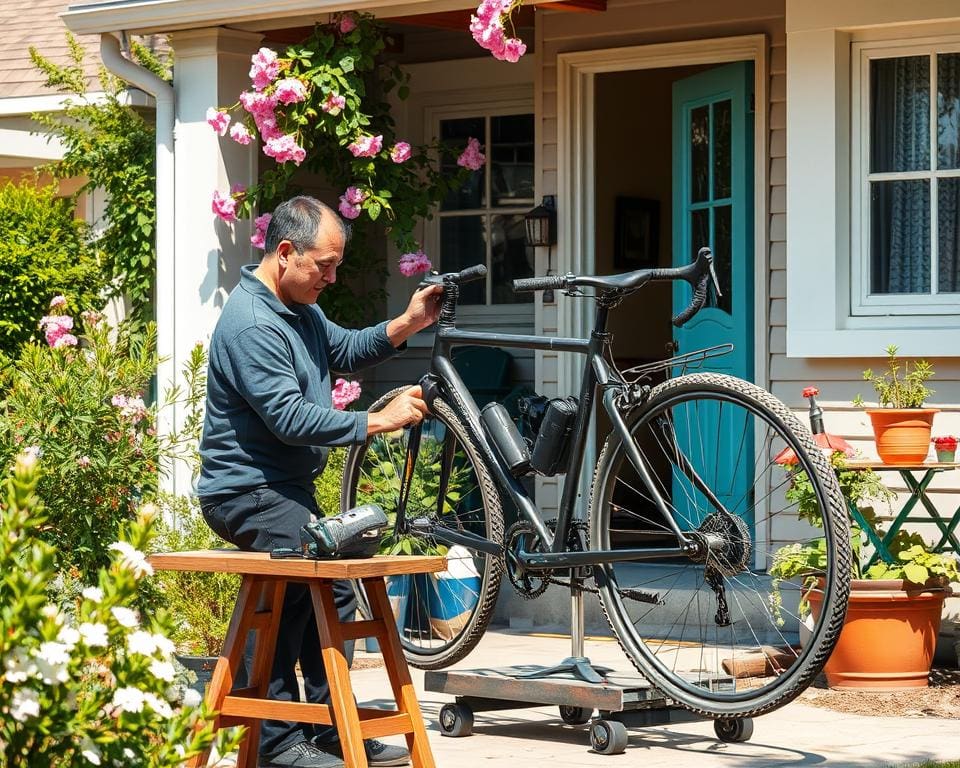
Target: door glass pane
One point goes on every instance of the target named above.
(511, 159)
(722, 256)
(462, 244)
(900, 237)
(900, 114)
(700, 154)
(722, 114)
(948, 110)
(699, 231)
(454, 133)
(510, 259)
(948, 223)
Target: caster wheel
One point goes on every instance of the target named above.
(734, 730)
(608, 737)
(575, 715)
(456, 720)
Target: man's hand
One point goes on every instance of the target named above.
(422, 312)
(405, 409)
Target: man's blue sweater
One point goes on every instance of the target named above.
(269, 414)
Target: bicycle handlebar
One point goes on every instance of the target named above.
(699, 273)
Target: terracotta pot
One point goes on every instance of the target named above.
(889, 635)
(902, 435)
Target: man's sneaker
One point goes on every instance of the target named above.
(378, 753)
(304, 754)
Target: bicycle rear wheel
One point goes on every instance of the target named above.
(440, 620)
(712, 630)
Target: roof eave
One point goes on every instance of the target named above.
(155, 16)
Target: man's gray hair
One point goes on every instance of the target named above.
(298, 220)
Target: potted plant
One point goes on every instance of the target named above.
(946, 448)
(893, 615)
(901, 425)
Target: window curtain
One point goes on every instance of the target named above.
(948, 157)
(900, 141)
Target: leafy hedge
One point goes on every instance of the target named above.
(44, 251)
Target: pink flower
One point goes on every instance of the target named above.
(472, 157)
(487, 28)
(91, 317)
(58, 301)
(240, 133)
(415, 263)
(83, 461)
(290, 91)
(218, 120)
(265, 68)
(66, 340)
(344, 392)
(333, 103)
(347, 24)
(284, 148)
(366, 146)
(513, 50)
(258, 103)
(225, 206)
(347, 209)
(355, 195)
(258, 239)
(400, 152)
(55, 328)
(119, 401)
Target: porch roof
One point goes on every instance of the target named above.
(147, 16)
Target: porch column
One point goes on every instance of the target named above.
(210, 69)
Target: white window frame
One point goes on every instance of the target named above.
(519, 314)
(819, 173)
(864, 303)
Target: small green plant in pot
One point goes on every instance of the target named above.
(901, 425)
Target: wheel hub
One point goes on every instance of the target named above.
(726, 544)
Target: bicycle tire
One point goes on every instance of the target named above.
(476, 505)
(702, 667)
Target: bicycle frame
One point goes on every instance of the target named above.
(443, 377)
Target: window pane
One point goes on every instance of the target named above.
(511, 164)
(721, 149)
(948, 110)
(700, 154)
(454, 133)
(948, 222)
(900, 237)
(723, 264)
(511, 259)
(462, 244)
(699, 231)
(900, 114)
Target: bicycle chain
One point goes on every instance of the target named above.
(545, 577)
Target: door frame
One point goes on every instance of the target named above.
(576, 74)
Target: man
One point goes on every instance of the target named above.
(269, 422)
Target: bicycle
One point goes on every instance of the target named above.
(675, 543)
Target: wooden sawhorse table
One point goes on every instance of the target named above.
(258, 610)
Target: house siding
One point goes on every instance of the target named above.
(644, 22)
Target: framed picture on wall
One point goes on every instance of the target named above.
(636, 240)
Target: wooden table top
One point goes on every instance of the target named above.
(876, 464)
(261, 564)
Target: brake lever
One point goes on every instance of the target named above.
(713, 277)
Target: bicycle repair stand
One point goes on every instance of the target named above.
(578, 687)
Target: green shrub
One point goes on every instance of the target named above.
(200, 603)
(44, 251)
(95, 686)
(327, 485)
(80, 408)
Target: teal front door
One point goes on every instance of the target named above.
(713, 206)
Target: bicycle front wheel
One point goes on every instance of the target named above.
(440, 619)
(711, 628)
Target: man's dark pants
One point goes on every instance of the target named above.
(259, 521)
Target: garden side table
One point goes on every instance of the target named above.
(258, 609)
(918, 494)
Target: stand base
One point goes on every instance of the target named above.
(578, 666)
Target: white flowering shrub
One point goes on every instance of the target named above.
(95, 687)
